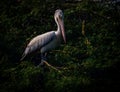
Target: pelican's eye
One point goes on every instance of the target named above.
(60, 16)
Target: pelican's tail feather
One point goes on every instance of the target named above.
(27, 50)
(23, 56)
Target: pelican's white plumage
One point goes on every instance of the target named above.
(48, 40)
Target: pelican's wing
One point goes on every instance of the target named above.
(38, 42)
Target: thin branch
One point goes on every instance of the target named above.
(83, 32)
(51, 66)
(102, 16)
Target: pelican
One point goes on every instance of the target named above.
(49, 40)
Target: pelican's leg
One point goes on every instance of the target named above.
(43, 58)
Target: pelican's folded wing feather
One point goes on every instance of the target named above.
(38, 42)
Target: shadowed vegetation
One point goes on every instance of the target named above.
(89, 62)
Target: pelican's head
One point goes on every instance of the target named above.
(59, 19)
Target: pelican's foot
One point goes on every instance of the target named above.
(41, 64)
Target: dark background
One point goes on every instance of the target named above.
(90, 57)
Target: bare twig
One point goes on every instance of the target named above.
(102, 16)
(55, 68)
(83, 27)
(83, 32)
(51, 66)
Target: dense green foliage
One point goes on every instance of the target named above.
(90, 59)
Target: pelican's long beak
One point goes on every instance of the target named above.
(62, 29)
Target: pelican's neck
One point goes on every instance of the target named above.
(58, 32)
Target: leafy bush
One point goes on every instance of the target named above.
(88, 62)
